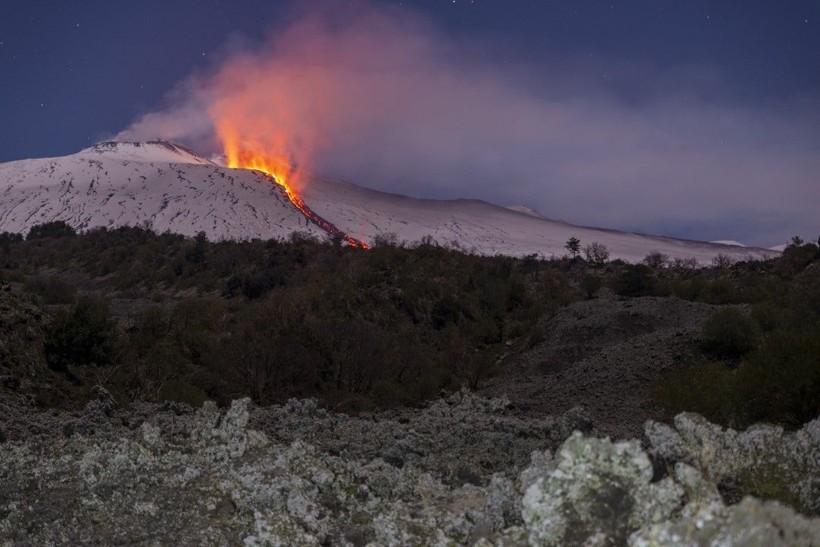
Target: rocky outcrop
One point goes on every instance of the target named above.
(764, 460)
(596, 489)
(205, 477)
(461, 438)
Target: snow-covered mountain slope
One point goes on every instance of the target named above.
(526, 210)
(172, 188)
(488, 229)
(130, 184)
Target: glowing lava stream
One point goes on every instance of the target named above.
(279, 173)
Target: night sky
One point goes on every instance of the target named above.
(607, 113)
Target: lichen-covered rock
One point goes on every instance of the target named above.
(206, 479)
(751, 523)
(597, 493)
(462, 438)
(764, 460)
(95, 417)
(153, 475)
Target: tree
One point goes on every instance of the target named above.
(596, 253)
(573, 246)
(656, 260)
(84, 335)
(728, 334)
(196, 255)
(6, 240)
(722, 261)
(57, 228)
(635, 280)
(386, 239)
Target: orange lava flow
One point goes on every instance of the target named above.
(280, 171)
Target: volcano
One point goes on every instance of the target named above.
(171, 188)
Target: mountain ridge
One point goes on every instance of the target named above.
(173, 188)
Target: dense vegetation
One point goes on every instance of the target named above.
(274, 319)
(764, 366)
(160, 316)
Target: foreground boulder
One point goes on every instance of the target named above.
(596, 489)
(764, 460)
(181, 477)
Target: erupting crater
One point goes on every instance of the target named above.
(281, 173)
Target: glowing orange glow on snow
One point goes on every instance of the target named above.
(281, 171)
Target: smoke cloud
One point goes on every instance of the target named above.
(386, 100)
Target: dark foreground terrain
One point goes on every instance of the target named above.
(406, 395)
(463, 470)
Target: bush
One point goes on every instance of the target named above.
(596, 253)
(83, 335)
(728, 334)
(52, 290)
(635, 280)
(57, 228)
(656, 260)
(718, 291)
(706, 388)
(722, 261)
(7, 239)
(795, 257)
(781, 381)
(591, 284)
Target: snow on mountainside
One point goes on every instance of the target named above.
(150, 151)
(526, 210)
(488, 229)
(129, 184)
(172, 188)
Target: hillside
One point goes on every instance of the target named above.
(481, 227)
(400, 395)
(173, 189)
(154, 183)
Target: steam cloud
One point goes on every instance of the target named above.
(387, 101)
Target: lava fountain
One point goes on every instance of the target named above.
(279, 170)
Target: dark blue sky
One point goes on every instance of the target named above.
(74, 72)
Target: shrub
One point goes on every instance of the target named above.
(781, 381)
(591, 284)
(385, 239)
(718, 291)
(52, 290)
(196, 254)
(7, 239)
(573, 246)
(656, 260)
(83, 335)
(596, 253)
(796, 257)
(635, 280)
(728, 334)
(722, 261)
(57, 228)
(706, 388)
(685, 264)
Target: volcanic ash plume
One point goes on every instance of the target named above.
(379, 96)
